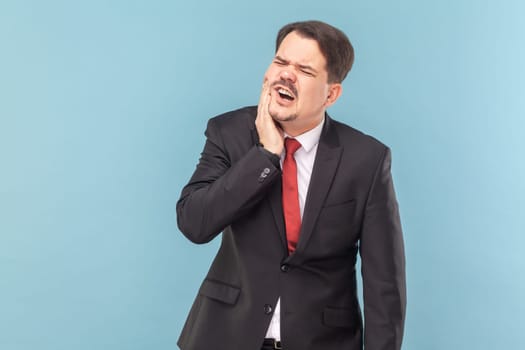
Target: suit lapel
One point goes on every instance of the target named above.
(325, 166)
(275, 200)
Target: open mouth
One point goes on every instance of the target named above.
(285, 94)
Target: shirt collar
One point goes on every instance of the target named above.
(310, 138)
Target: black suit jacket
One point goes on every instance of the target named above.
(350, 208)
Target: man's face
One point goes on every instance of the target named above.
(298, 83)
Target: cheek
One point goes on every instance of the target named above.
(323, 93)
(316, 94)
(269, 74)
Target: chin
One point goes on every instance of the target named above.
(283, 117)
(280, 115)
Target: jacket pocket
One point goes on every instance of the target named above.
(219, 291)
(332, 203)
(337, 317)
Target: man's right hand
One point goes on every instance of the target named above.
(271, 135)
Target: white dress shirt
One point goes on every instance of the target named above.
(304, 157)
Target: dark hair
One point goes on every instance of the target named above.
(333, 43)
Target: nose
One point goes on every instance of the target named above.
(287, 74)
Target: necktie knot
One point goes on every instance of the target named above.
(291, 146)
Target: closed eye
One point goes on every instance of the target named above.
(307, 72)
(305, 69)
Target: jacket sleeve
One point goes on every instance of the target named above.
(383, 264)
(223, 189)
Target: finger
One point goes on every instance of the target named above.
(264, 100)
(267, 102)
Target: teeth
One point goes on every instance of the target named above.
(285, 92)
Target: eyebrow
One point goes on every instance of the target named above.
(301, 66)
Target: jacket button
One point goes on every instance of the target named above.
(285, 268)
(268, 309)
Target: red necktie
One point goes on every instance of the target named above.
(292, 213)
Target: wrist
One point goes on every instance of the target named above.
(274, 150)
(275, 158)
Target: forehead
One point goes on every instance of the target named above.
(301, 50)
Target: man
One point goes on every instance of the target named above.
(296, 195)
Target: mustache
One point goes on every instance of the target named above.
(287, 84)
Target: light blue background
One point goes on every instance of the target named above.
(103, 105)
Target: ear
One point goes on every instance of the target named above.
(334, 91)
